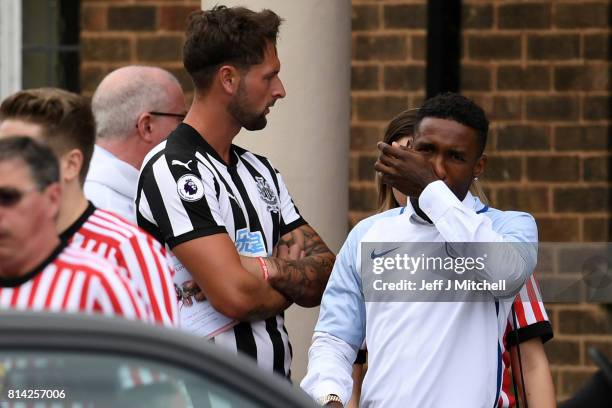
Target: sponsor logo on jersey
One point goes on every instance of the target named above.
(190, 188)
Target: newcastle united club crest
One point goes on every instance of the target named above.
(267, 194)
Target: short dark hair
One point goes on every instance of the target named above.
(224, 35)
(40, 159)
(457, 107)
(66, 119)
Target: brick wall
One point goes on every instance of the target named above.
(388, 75)
(541, 71)
(539, 68)
(115, 33)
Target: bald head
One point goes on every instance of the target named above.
(128, 92)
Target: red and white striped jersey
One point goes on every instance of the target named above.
(73, 281)
(531, 321)
(138, 256)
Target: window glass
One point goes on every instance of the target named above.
(82, 379)
(50, 50)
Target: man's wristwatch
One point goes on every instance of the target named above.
(328, 398)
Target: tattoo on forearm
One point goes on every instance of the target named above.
(304, 280)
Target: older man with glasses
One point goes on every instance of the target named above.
(135, 107)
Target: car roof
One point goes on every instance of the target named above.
(96, 334)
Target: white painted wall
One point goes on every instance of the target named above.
(10, 47)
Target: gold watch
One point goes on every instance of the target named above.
(329, 398)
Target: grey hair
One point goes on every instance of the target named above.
(40, 159)
(139, 89)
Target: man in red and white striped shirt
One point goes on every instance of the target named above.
(37, 270)
(65, 122)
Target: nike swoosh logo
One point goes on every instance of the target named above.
(374, 255)
(180, 163)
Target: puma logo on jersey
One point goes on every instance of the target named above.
(180, 163)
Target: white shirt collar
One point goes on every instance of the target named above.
(124, 177)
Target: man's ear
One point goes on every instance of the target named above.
(53, 193)
(71, 164)
(144, 127)
(229, 77)
(480, 166)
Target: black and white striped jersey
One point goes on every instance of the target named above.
(186, 191)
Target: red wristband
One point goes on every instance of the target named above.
(264, 267)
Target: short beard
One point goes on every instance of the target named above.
(248, 120)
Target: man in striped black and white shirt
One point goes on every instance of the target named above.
(224, 211)
(65, 122)
(37, 270)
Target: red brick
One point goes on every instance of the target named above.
(476, 16)
(590, 321)
(413, 16)
(365, 17)
(582, 15)
(105, 49)
(475, 78)
(581, 199)
(563, 352)
(553, 46)
(560, 108)
(364, 77)
(582, 137)
(379, 108)
(93, 18)
(573, 380)
(523, 137)
(530, 78)
(597, 229)
(365, 137)
(174, 18)
(596, 107)
(404, 77)
(597, 46)
(506, 107)
(132, 18)
(160, 48)
(91, 78)
(488, 47)
(363, 198)
(529, 199)
(503, 169)
(557, 168)
(596, 168)
(380, 47)
(524, 16)
(365, 169)
(582, 78)
(558, 229)
(419, 47)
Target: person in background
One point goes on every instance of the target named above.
(136, 107)
(64, 121)
(38, 271)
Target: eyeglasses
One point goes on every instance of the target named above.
(10, 196)
(181, 116)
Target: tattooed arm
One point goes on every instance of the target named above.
(302, 280)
